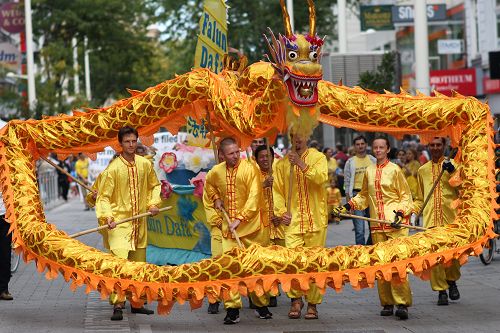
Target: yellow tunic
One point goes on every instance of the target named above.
(332, 165)
(413, 167)
(438, 211)
(267, 210)
(214, 219)
(334, 198)
(239, 189)
(360, 163)
(308, 204)
(384, 191)
(127, 189)
(82, 168)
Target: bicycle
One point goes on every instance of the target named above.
(490, 247)
(14, 260)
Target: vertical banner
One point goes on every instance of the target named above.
(212, 36)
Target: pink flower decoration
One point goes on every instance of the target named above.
(168, 162)
(199, 183)
(166, 189)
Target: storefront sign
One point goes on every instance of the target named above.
(12, 17)
(450, 46)
(491, 86)
(376, 17)
(10, 57)
(462, 81)
(404, 14)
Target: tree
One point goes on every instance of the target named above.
(384, 78)
(122, 55)
(248, 21)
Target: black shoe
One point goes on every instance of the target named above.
(402, 312)
(273, 302)
(454, 293)
(6, 296)
(213, 308)
(388, 310)
(263, 313)
(232, 316)
(142, 310)
(117, 314)
(442, 298)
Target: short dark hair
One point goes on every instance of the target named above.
(326, 149)
(359, 137)
(125, 130)
(261, 148)
(383, 137)
(226, 142)
(443, 139)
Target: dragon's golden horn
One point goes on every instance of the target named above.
(286, 19)
(312, 18)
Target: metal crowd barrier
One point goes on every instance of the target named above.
(48, 186)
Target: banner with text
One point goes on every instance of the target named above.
(212, 37)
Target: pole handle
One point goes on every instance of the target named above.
(128, 219)
(67, 174)
(350, 216)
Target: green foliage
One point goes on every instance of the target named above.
(383, 78)
(248, 21)
(121, 54)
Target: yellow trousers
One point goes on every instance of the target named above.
(139, 255)
(392, 293)
(216, 241)
(259, 237)
(318, 238)
(440, 275)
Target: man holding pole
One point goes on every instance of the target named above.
(233, 189)
(301, 203)
(437, 211)
(128, 188)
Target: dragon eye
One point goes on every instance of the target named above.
(313, 55)
(292, 55)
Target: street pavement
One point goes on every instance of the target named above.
(41, 305)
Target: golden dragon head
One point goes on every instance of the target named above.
(297, 57)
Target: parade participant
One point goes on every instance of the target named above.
(129, 187)
(410, 169)
(269, 220)
(5, 253)
(256, 143)
(215, 221)
(273, 222)
(387, 194)
(334, 198)
(439, 212)
(306, 219)
(233, 186)
(354, 172)
(82, 173)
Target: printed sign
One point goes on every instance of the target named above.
(450, 46)
(404, 14)
(212, 38)
(10, 57)
(462, 81)
(376, 17)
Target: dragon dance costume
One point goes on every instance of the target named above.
(439, 212)
(240, 190)
(309, 210)
(385, 191)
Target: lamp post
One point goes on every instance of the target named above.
(29, 55)
(422, 75)
(88, 92)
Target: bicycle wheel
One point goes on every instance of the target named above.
(14, 261)
(488, 251)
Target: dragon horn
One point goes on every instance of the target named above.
(286, 19)
(312, 18)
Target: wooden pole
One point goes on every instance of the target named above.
(212, 138)
(350, 216)
(431, 192)
(128, 219)
(290, 184)
(235, 234)
(67, 174)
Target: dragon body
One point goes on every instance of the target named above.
(259, 100)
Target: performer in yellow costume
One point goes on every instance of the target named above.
(387, 194)
(439, 212)
(306, 219)
(129, 187)
(234, 186)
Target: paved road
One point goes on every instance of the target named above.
(50, 306)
